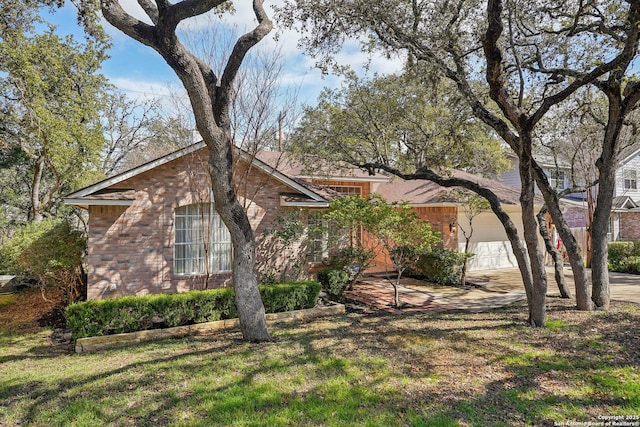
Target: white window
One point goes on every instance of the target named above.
(200, 235)
(630, 179)
(557, 179)
(347, 190)
(318, 237)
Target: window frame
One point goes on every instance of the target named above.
(630, 182)
(347, 190)
(317, 247)
(557, 176)
(191, 223)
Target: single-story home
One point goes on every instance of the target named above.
(152, 229)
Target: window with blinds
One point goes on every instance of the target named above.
(200, 236)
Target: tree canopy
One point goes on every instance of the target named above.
(404, 121)
(51, 95)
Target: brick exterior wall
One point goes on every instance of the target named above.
(576, 217)
(440, 218)
(629, 226)
(130, 249)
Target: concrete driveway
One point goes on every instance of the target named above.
(623, 287)
(496, 288)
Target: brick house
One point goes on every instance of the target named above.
(152, 229)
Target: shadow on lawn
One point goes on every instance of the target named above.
(421, 369)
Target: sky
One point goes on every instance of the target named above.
(139, 71)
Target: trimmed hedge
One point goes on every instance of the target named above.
(442, 266)
(624, 257)
(334, 282)
(130, 314)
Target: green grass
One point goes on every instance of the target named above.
(369, 370)
(6, 300)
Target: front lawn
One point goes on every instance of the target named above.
(356, 369)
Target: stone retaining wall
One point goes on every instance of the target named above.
(109, 341)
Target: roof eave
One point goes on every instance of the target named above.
(85, 203)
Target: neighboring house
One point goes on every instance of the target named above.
(624, 223)
(153, 229)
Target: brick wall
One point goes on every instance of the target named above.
(131, 248)
(576, 217)
(629, 226)
(440, 218)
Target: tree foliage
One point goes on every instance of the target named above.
(51, 96)
(405, 121)
(390, 229)
(49, 252)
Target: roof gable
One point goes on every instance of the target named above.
(88, 193)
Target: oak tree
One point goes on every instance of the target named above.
(210, 94)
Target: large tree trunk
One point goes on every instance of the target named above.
(248, 301)
(537, 304)
(210, 99)
(600, 228)
(555, 254)
(36, 207)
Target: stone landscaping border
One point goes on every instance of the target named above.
(84, 345)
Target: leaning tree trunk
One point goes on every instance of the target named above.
(580, 278)
(555, 254)
(583, 297)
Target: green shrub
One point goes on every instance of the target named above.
(353, 259)
(49, 252)
(334, 282)
(130, 314)
(289, 296)
(624, 257)
(440, 266)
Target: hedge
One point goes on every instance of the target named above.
(624, 257)
(130, 314)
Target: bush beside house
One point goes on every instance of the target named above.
(442, 266)
(48, 253)
(334, 282)
(624, 257)
(130, 314)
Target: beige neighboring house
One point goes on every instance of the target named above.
(152, 229)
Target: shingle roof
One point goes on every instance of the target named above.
(424, 192)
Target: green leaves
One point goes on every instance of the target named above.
(404, 122)
(51, 96)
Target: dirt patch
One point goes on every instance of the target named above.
(31, 309)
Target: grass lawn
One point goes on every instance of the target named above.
(483, 369)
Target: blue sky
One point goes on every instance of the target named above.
(138, 70)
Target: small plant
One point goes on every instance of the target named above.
(334, 282)
(355, 260)
(48, 252)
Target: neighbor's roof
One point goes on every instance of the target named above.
(340, 171)
(419, 192)
(623, 203)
